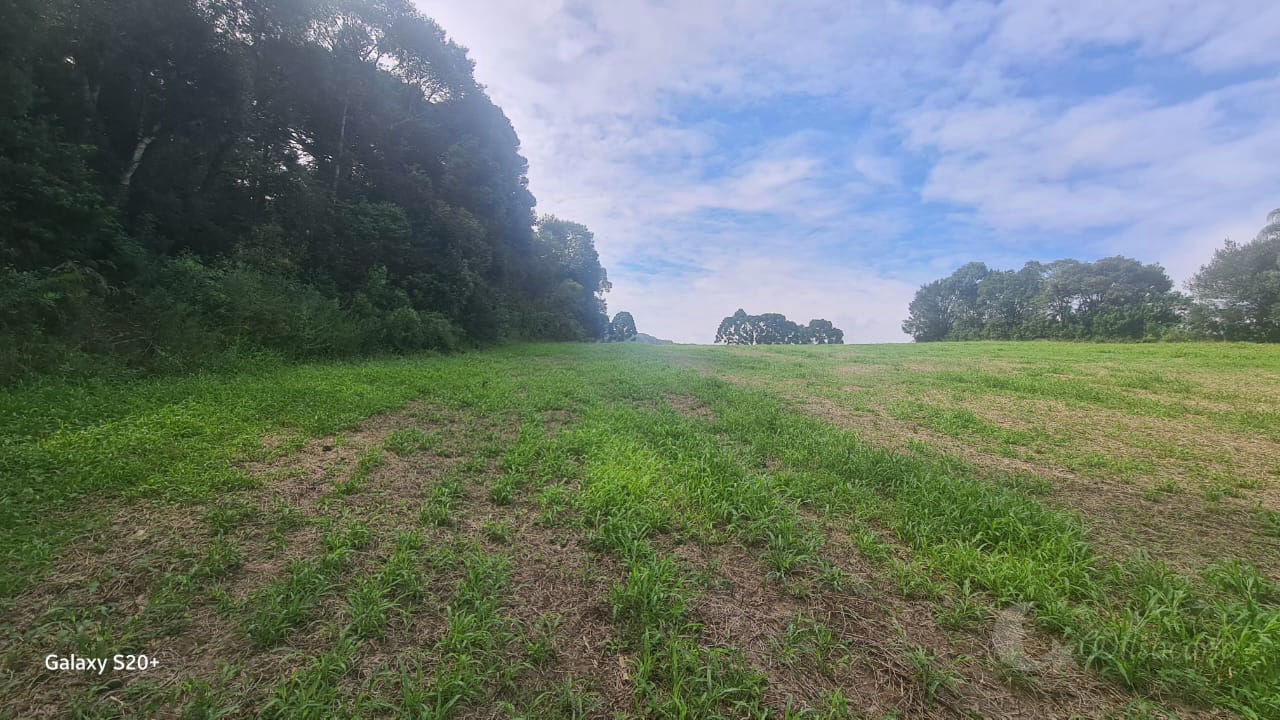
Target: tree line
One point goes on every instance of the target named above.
(1236, 296)
(775, 329)
(304, 177)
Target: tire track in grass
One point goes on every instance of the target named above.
(202, 591)
(558, 584)
(377, 645)
(797, 584)
(666, 667)
(469, 659)
(503, 641)
(650, 486)
(1139, 623)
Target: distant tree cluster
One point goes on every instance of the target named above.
(1235, 297)
(312, 178)
(621, 329)
(1112, 298)
(775, 329)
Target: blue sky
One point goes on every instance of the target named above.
(823, 159)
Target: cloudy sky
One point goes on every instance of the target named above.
(823, 159)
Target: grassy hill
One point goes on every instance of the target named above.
(946, 530)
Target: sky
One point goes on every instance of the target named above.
(825, 159)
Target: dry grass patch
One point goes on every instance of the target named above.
(1181, 526)
(689, 406)
(555, 421)
(165, 579)
(894, 627)
(560, 597)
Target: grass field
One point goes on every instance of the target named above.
(569, 531)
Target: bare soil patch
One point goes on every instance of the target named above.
(555, 421)
(689, 406)
(113, 576)
(745, 610)
(561, 585)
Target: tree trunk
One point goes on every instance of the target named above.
(139, 150)
(342, 140)
(215, 162)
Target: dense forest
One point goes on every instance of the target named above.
(184, 180)
(1234, 297)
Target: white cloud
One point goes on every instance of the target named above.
(1165, 175)
(630, 112)
(879, 169)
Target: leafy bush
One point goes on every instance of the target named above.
(183, 314)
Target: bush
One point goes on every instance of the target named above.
(181, 314)
(550, 326)
(46, 316)
(439, 333)
(407, 330)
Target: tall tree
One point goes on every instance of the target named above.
(947, 307)
(622, 328)
(1238, 292)
(1007, 302)
(568, 250)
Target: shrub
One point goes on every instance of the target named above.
(181, 314)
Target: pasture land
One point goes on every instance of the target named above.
(572, 531)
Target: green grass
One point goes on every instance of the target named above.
(933, 676)
(406, 441)
(285, 604)
(799, 470)
(813, 646)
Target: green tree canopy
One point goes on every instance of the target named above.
(622, 328)
(1111, 298)
(1238, 293)
(822, 332)
(775, 329)
(567, 250)
(319, 146)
